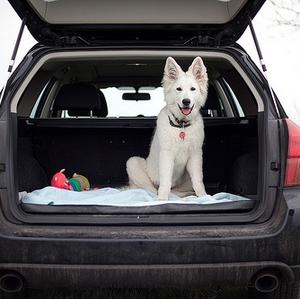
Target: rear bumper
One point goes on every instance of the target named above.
(146, 276)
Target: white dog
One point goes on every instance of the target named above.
(175, 158)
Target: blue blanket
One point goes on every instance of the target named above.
(118, 198)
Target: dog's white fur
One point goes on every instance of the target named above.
(174, 163)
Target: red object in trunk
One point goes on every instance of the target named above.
(59, 180)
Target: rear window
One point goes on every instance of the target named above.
(118, 107)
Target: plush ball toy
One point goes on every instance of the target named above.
(59, 180)
(83, 181)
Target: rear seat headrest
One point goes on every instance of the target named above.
(80, 99)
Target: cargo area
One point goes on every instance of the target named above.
(62, 124)
(100, 151)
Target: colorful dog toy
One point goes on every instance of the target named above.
(59, 180)
(77, 182)
(83, 181)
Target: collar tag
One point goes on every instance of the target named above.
(182, 135)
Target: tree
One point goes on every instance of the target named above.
(287, 11)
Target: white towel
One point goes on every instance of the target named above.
(118, 198)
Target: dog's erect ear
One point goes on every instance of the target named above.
(198, 69)
(172, 70)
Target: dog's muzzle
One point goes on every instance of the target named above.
(186, 110)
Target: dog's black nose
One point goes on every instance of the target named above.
(186, 102)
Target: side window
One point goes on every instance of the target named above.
(235, 104)
(41, 100)
(242, 96)
(37, 103)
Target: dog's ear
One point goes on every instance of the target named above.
(198, 69)
(172, 70)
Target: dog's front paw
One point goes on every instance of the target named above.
(163, 195)
(200, 192)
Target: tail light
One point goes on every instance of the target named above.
(292, 174)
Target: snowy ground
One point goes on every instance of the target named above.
(280, 46)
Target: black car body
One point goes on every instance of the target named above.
(257, 247)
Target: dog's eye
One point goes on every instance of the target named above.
(179, 88)
(193, 88)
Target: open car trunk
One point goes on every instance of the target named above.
(52, 136)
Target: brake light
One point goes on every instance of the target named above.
(292, 174)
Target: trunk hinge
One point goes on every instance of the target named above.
(200, 40)
(13, 56)
(263, 65)
(74, 41)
